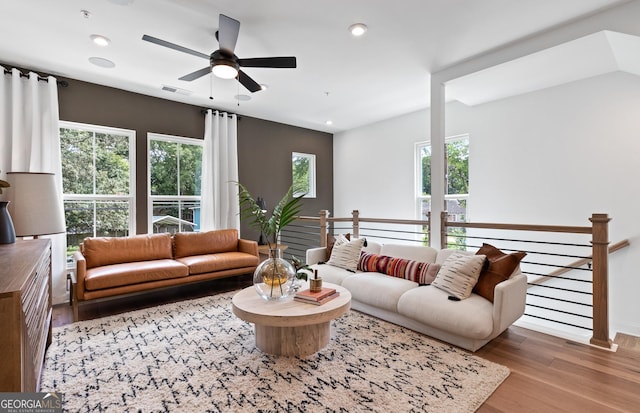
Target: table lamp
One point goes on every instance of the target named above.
(36, 207)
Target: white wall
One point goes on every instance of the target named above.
(550, 157)
(374, 165)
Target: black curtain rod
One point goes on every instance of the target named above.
(61, 83)
(204, 112)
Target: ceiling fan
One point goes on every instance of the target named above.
(223, 62)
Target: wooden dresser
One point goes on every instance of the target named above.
(25, 313)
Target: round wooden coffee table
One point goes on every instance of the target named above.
(288, 327)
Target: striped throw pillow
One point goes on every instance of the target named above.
(345, 253)
(459, 274)
(420, 272)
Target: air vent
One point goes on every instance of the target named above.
(177, 90)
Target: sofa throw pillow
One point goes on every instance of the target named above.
(501, 266)
(422, 273)
(459, 274)
(345, 253)
(331, 240)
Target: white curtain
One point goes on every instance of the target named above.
(30, 142)
(219, 207)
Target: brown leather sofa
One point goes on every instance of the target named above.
(113, 266)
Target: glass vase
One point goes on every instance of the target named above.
(273, 279)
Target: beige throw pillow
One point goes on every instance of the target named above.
(459, 274)
(345, 253)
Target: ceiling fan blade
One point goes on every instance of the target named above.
(277, 62)
(247, 82)
(228, 33)
(197, 74)
(173, 46)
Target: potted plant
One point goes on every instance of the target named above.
(273, 277)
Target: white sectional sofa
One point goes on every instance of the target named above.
(469, 323)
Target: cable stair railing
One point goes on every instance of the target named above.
(578, 264)
(591, 298)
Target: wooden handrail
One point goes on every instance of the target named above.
(378, 220)
(578, 263)
(521, 227)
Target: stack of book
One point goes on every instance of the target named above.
(316, 297)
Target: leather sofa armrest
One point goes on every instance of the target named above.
(316, 255)
(248, 246)
(509, 301)
(81, 272)
(77, 282)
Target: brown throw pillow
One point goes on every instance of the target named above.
(500, 268)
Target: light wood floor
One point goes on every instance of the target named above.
(548, 374)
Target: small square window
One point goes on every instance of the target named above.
(303, 167)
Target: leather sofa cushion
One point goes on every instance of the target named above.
(200, 264)
(101, 251)
(186, 244)
(118, 275)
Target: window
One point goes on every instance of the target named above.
(98, 178)
(175, 181)
(456, 180)
(303, 167)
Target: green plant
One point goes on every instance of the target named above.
(285, 212)
(300, 268)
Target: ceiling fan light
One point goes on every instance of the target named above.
(357, 29)
(224, 71)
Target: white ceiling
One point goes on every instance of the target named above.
(592, 55)
(380, 75)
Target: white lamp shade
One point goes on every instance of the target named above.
(36, 206)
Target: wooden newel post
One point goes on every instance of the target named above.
(443, 230)
(324, 227)
(356, 223)
(600, 245)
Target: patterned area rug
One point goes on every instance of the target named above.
(197, 356)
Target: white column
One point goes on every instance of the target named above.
(437, 158)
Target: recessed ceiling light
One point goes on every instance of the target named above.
(264, 86)
(358, 29)
(242, 98)
(100, 40)
(329, 122)
(102, 62)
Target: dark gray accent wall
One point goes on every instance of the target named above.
(264, 156)
(264, 148)
(100, 105)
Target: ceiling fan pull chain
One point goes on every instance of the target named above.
(211, 86)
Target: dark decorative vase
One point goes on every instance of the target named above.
(274, 277)
(7, 232)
